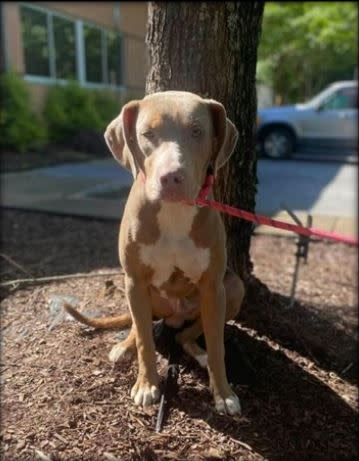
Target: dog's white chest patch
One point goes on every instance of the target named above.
(174, 248)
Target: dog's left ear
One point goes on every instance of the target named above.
(225, 135)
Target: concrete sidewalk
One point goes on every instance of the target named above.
(82, 189)
(99, 189)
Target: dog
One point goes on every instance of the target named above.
(173, 254)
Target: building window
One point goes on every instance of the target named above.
(114, 58)
(35, 41)
(58, 48)
(103, 53)
(64, 48)
(93, 54)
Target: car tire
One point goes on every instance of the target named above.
(278, 143)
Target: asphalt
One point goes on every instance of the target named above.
(98, 189)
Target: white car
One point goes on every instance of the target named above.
(328, 122)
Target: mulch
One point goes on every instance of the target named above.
(63, 400)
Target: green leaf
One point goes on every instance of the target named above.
(305, 46)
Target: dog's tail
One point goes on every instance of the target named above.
(120, 321)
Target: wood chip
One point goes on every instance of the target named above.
(21, 445)
(110, 456)
(42, 456)
(77, 451)
(59, 437)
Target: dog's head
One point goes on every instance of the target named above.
(171, 138)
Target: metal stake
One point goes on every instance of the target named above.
(170, 385)
(302, 251)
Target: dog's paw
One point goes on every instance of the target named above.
(229, 405)
(145, 393)
(120, 352)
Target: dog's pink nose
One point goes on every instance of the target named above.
(172, 179)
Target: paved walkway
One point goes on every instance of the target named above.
(82, 189)
(99, 189)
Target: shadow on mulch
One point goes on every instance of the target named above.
(49, 245)
(302, 329)
(289, 414)
(311, 422)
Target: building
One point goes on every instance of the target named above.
(99, 44)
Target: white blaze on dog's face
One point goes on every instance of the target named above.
(170, 138)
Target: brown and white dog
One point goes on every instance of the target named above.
(173, 254)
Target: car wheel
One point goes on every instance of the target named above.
(278, 143)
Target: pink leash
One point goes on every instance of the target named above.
(260, 219)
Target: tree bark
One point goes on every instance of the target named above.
(2, 40)
(210, 48)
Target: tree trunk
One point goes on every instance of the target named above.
(2, 41)
(210, 48)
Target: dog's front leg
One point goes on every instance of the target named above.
(145, 391)
(213, 311)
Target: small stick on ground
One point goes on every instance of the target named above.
(15, 264)
(348, 367)
(34, 281)
(242, 444)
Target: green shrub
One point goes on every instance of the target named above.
(70, 109)
(20, 128)
(107, 107)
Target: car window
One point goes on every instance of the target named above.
(346, 98)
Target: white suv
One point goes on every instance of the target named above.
(328, 122)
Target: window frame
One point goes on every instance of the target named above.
(79, 51)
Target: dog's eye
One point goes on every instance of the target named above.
(150, 135)
(196, 131)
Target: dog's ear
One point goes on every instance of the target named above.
(120, 137)
(225, 135)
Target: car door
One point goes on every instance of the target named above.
(334, 122)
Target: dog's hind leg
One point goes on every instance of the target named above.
(235, 291)
(187, 339)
